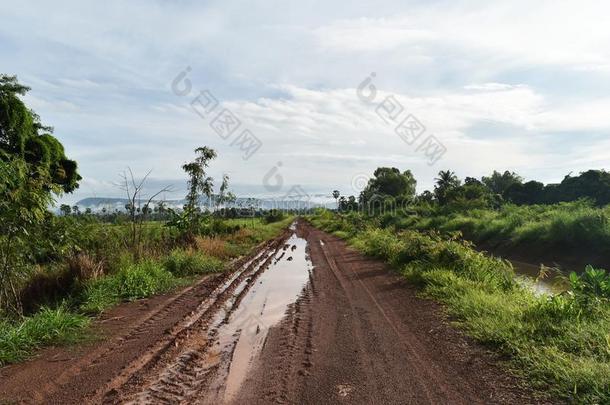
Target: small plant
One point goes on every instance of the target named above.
(590, 284)
(140, 280)
(143, 280)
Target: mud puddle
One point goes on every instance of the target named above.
(263, 307)
(258, 304)
(216, 347)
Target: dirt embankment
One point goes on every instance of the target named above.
(303, 320)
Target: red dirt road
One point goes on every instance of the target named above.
(304, 320)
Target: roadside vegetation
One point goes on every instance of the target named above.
(58, 270)
(560, 343)
(577, 226)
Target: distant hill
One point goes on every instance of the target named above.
(97, 204)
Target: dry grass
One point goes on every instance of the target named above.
(243, 235)
(212, 246)
(46, 286)
(83, 267)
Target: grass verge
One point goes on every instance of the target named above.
(46, 327)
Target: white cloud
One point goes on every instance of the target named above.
(367, 34)
(517, 33)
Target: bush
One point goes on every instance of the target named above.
(273, 216)
(143, 280)
(182, 263)
(592, 284)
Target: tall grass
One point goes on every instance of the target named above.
(185, 263)
(48, 326)
(565, 225)
(135, 281)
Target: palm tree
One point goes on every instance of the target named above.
(446, 181)
(446, 178)
(336, 195)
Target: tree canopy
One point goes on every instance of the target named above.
(498, 182)
(390, 182)
(22, 136)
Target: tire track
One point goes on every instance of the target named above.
(170, 371)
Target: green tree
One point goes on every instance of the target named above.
(592, 184)
(199, 184)
(498, 182)
(390, 182)
(336, 194)
(427, 197)
(33, 170)
(23, 136)
(531, 192)
(446, 183)
(23, 206)
(65, 209)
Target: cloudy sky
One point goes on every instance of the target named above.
(515, 85)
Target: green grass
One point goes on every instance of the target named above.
(558, 344)
(135, 281)
(576, 225)
(18, 340)
(183, 263)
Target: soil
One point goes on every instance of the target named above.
(304, 319)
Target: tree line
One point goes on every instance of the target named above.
(391, 186)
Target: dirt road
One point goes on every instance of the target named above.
(304, 320)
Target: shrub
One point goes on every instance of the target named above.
(592, 284)
(100, 295)
(273, 216)
(183, 263)
(143, 280)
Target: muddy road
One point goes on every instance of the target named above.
(303, 320)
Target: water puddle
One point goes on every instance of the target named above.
(550, 284)
(262, 306)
